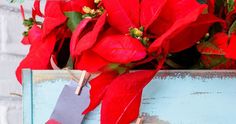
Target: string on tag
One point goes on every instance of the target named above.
(81, 81)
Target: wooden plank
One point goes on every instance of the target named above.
(187, 100)
(172, 97)
(27, 97)
(41, 76)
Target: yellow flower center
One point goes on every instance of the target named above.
(97, 1)
(87, 9)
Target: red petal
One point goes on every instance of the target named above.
(88, 40)
(77, 5)
(192, 33)
(208, 48)
(231, 50)
(122, 14)
(98, 88)
(54, 16)
(120, 49)
(38, 57)
(36, 9)
(110, 31)
(230, 16)
(35, 34)
(52, 121)
(150, 9)
(25, 40)
(123, 97)
(176, 12)
(22, 12)
(229, 64)
(221, 40)
(211, 6)
(217, 45)
(79, 29)
(90, 62)
(183, 13)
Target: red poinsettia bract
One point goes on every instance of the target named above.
(219, 51)
(113, 38)
(43, 39)
(48, 38)
(132, 31)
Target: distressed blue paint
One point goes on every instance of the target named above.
(175, 100)
(192, 101)
(27, 97)
(45, 96)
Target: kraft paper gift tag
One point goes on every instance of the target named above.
(70, 106)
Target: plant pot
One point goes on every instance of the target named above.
(172, 97)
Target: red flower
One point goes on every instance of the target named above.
(36, 9)
(219, 52)
(77, 5)
(192, 33)
(89, 39)
(50, 38)
(176, 16)
(81, 44)
(231, 50)
(211, 6)
(34, 36)
(90, 62)
(99, 86)
(123, 92)
(79, 29)
(164, 22)
(38, 57)
(43, 40)
(120, 49)
(54, 17)
(123, 97)
(128, 33)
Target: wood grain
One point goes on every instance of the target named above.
(172, 97)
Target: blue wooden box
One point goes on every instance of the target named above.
(173, 97)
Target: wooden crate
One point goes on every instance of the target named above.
(172, 97)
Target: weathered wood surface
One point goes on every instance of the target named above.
(173, 97)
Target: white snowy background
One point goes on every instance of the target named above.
(11, 52)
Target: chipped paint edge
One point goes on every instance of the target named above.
(44, 75)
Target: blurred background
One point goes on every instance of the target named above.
(11, 53)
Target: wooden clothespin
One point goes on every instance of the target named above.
(139, 120)
(81, 81)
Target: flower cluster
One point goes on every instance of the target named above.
(127, 42)
(218, 50)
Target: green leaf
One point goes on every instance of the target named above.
(172, 64)
(113, 66)
(216, 60)
(232, 28)
(230, 5)
(70, 63)
(74, 19)
(212, 61)
(208, 48)
(202, 1)
(117, 67)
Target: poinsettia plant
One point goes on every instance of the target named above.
(127, 42)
